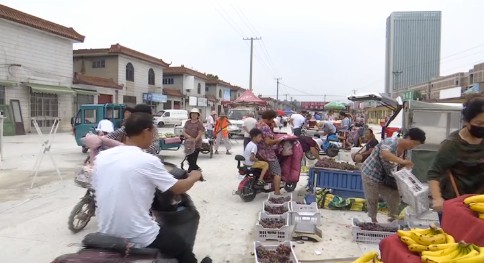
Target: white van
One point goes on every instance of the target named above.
(173, 117)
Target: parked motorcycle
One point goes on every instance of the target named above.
(330, 147)
(170, 210)
(248, 188)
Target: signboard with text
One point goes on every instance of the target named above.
(155, 97)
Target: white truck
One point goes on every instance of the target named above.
(236, 117)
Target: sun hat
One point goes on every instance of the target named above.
(195, 110)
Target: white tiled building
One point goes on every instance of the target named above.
(134, 73)
(35, 71)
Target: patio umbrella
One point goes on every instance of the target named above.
(334, 105)
(280, 113)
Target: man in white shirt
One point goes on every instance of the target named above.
(125, 179)
(297, 121)
(249, 124)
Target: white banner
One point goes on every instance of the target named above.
(192, 101)
(202, 102)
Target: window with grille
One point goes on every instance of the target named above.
(101, 63)
(168, 81)
(2, 95)
(151, 77)
(129, 72)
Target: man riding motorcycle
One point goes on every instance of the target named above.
(125, 181)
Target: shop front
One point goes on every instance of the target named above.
(155, 100)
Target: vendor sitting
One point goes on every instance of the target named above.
(250, 153)
(365, 151)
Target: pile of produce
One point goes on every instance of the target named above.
(280, 200)
(275, 210)
(272, 222)
(476, 204)
(439, 247)
(330, 163)
(166, 135)
(376, 227)
(281, 255)
(369, 257)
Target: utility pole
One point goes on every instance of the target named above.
(354, 91)
(277, 91)
(286, 96)
(251, 57)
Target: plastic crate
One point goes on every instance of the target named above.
(412, 220)
(275, 234)
(273, 247)
(343, 183)
(413, 192)
(366, 236)
(285, 195)
(305, 217)
(269, 204)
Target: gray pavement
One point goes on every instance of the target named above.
(33, 222)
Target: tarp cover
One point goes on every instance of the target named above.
(249, 98)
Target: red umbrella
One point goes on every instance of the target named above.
(280, 112)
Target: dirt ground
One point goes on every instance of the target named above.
(33, 222)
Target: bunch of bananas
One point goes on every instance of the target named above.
(476, 204)
(369, 257)
(418, 240)
(453, 252)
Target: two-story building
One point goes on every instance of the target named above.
(120, 75)
(36, 71)
(222, 91)
(190, 86)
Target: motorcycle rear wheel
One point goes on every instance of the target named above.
(310, 156)
(332, 151)
(81, 215)
(248, 193)
(290, 187)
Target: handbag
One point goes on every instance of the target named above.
(388, 179)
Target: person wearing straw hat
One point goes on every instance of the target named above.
(193, 131)
(221, 133)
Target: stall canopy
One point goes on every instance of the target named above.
(334, 105)
(289, 111)
(249, 98)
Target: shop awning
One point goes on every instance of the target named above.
(8, 83)
(39, 88)
(85, 92)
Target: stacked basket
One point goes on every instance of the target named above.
(274, 229)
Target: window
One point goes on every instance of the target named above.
(168, 81)
(129, 72)
(457, 82)
(199, 89)
(2, 95)
(220, 93)
(206, 89)
(151, 77)
(90, 116)
(45, 107)
(101, 63)
(83, 99)
(167, 114)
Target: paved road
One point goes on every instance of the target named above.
(33, 222)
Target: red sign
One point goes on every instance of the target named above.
(312, 104)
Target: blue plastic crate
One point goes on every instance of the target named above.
(343, 183)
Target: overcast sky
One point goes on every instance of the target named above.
(316, 47)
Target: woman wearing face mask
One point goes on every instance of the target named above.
(458, 167)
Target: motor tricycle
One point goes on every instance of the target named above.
(290, 167)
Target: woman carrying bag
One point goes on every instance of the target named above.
(193, 132)
(376, 171)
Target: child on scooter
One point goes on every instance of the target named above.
(250, 153)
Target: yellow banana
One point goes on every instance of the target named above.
(444, 251)
(432, 239)
(437, 247)
(444, 258)
(473, 256)
(477, 207)
(467, 251)
(417, 248)
(366, 257)
(481, 215)
(449, 238)
(408, 240)
(474, 199)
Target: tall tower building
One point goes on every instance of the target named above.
(412, 49)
